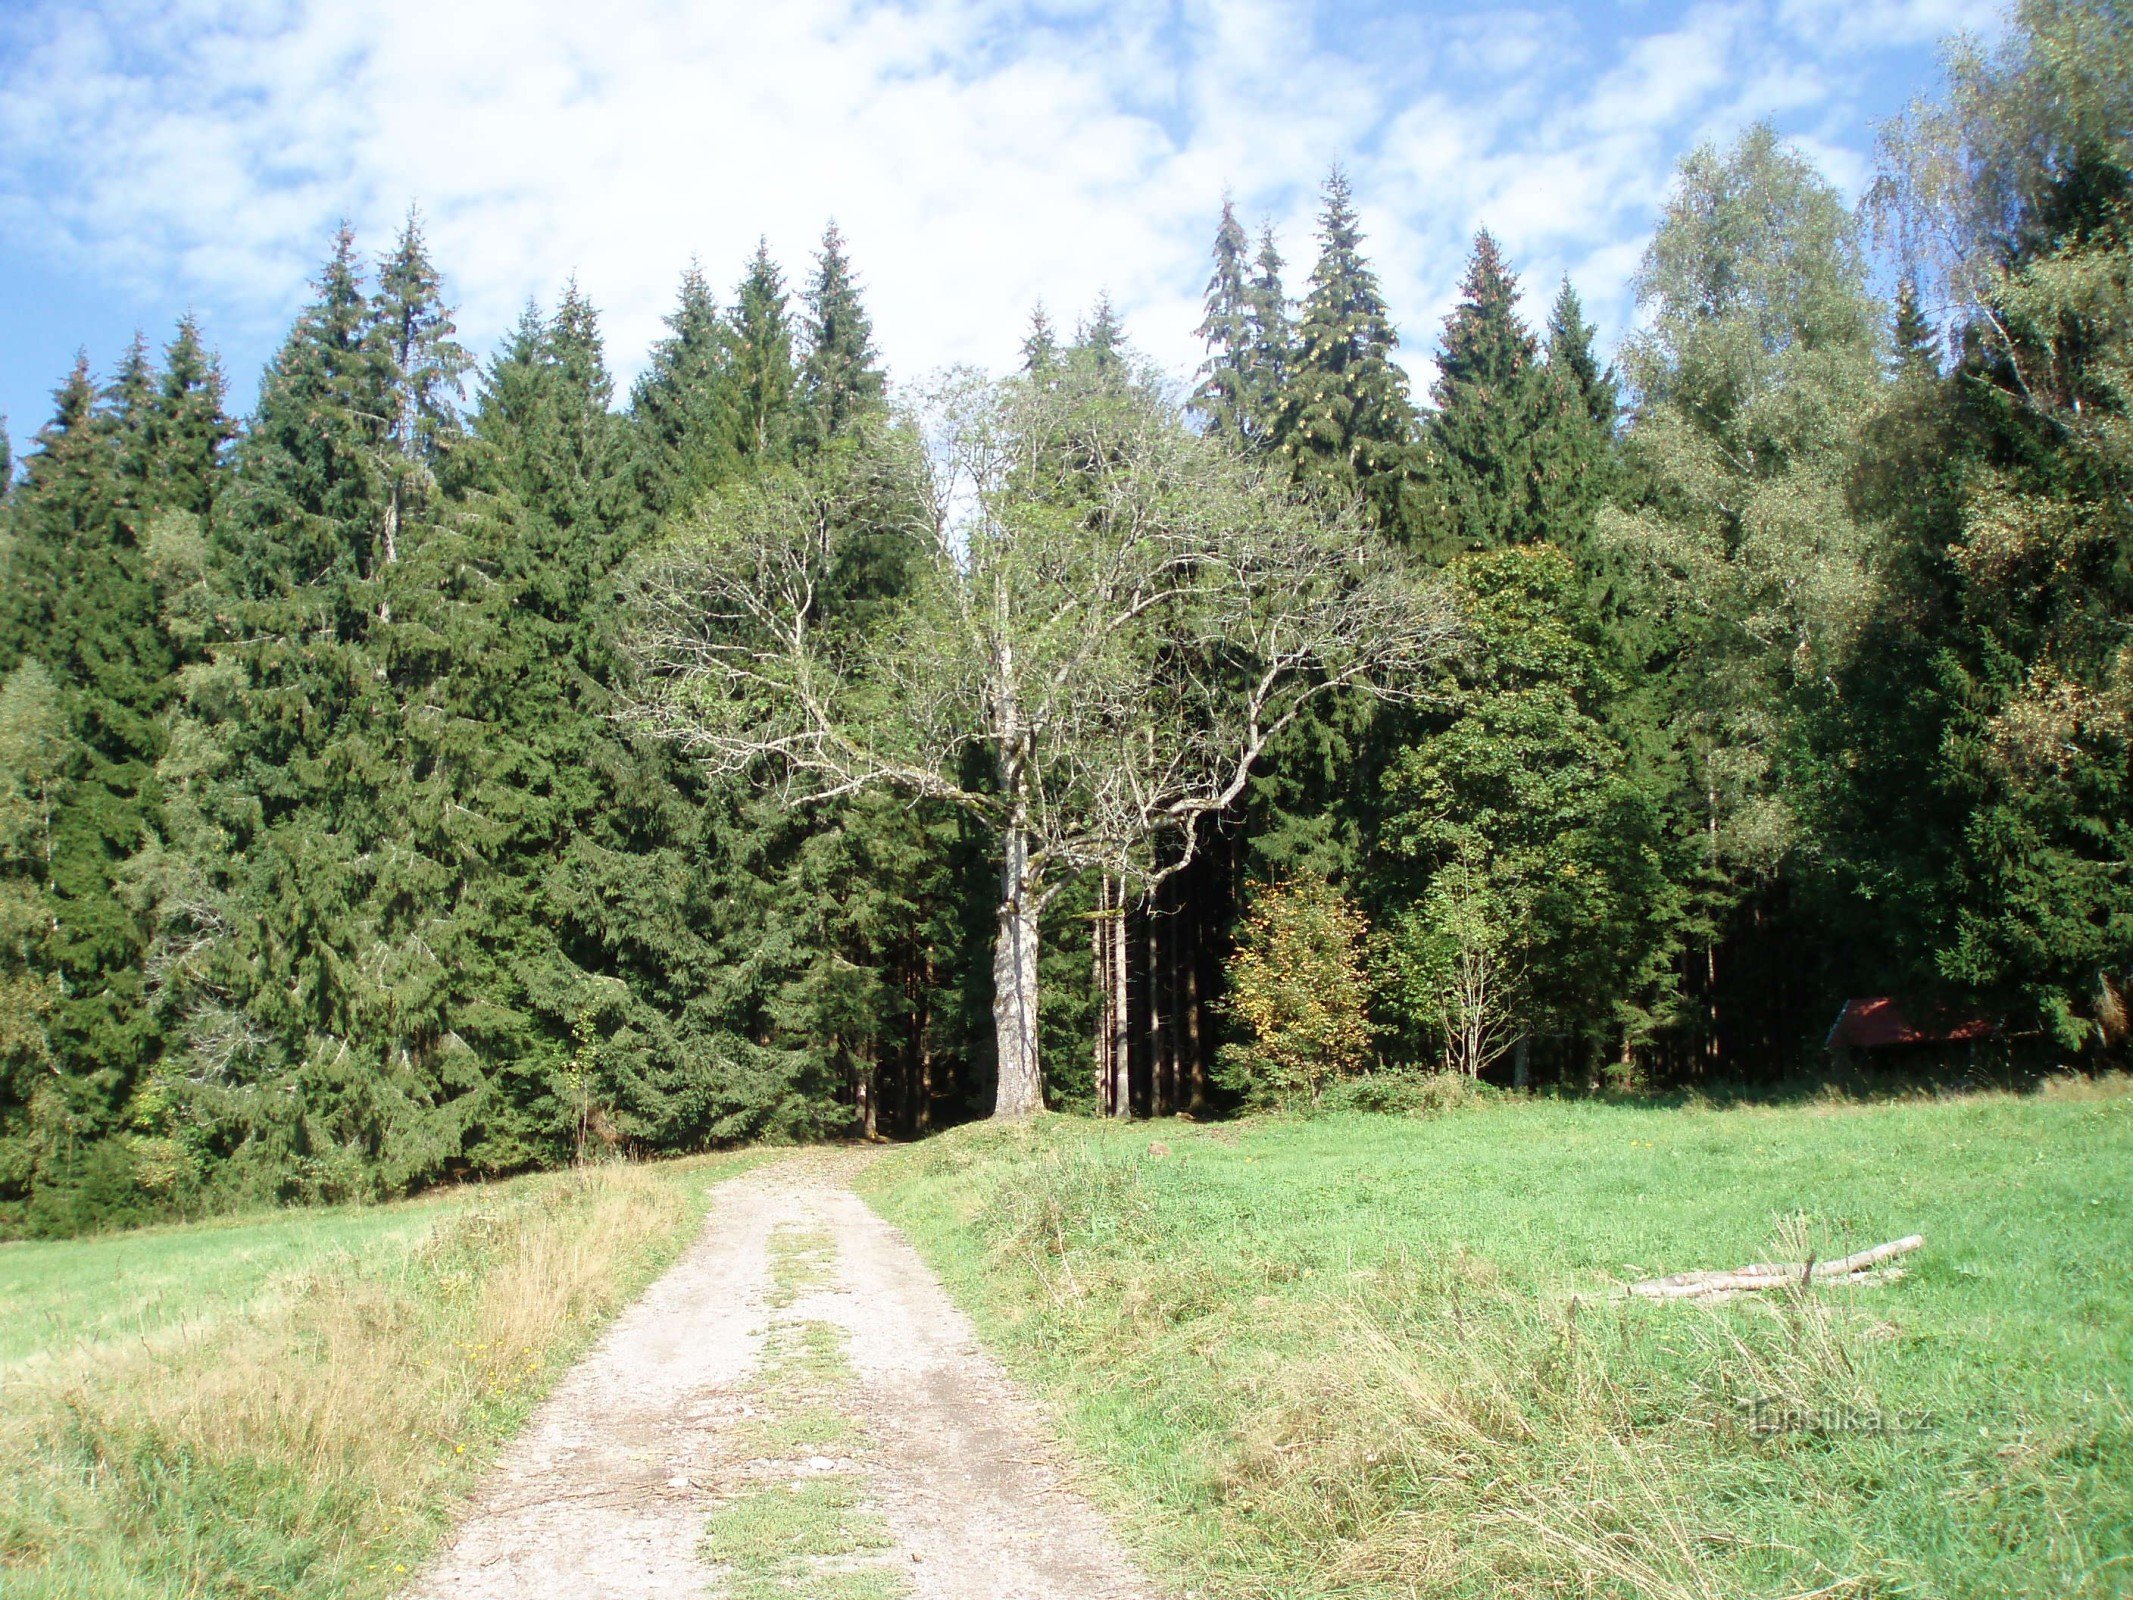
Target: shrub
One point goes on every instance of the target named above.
(1402, 1092)
(1297, 988)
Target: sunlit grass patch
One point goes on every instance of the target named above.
(795, 1540)
(1374, 1356)
(310, 1442)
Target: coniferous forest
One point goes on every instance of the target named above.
(381, 802)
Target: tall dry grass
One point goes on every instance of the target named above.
(316, 1450)
(1425, 1425)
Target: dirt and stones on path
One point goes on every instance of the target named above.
(607, 1493)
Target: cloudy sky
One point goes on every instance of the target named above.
(979, 155)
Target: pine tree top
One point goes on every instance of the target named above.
(573, 337)
(1917, 342)
(841, 373)
(1346, 421)
(1100, 337)
(1040, 345)
(1570, 354)
(1485, 342)
(1345, 319)
(73, 409)
(1224, 395)
(428, 365)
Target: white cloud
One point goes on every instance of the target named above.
(979, 154)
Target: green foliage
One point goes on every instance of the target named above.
(1401, 1092)
(1298, 994)
(1798, 668)
(762, 374)
(2021, 586)
(92, 666)
(1346, 425)
(840, 377)
(1489, 423)
(1527, 886)
(683, 406)
(1226, 399)
(1747, 568)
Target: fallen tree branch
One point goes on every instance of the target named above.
(1854, 1270)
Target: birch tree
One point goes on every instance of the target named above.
(1105, 620)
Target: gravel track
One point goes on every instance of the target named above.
(606, 1494)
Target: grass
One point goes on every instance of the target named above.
(66, 1296)
(1378, 1356)
(287, 1406)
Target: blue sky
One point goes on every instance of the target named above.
(978, 154)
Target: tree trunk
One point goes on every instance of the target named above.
(925, 1043)
(1151, 934)
(1014, 986)
(1521, 1063)
(1195, 1041)
(1121, 1041)
(1100, 986)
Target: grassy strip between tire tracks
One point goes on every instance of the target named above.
(1376, 1356)
(306, 1431)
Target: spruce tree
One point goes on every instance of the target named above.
(1917, 344)
(841, 374)
(1574, 452)
(1273, 342)
(580, 933)
(1489, 406)
(129, 409)
(315, 826)
(1224, 398)
(81, 610)
(1346, 424)
(682, 410)
(191, 428)
(762, 375)
(1571, 357)
(424, 369)
(1040, 345)
(1100, 339)
(1575, 449)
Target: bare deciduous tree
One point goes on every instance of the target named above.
(1116, 614)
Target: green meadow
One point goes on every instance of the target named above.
(1369, 1355)
(291, 1404)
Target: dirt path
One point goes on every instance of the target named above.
(608, 1492)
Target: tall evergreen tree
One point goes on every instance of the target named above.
(683, 408)
(1100, 339)
(314, 826)
(583, 924)
(762, 372)
(425, 366)
(191, 428)
(82, 612)
(1490, 400)
(1574, 456)
(841, 374)
(1273, 339)
(129, 411)
(1040, 343)
(1346, 424)
(1224, 398)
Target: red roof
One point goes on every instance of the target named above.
(1876, 1023)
